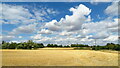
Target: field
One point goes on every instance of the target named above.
(58, 57)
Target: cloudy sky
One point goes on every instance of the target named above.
(60, 22)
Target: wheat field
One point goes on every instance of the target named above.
(58, 57)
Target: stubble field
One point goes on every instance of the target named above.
(58, 57)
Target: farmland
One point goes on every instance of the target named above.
(58, 57)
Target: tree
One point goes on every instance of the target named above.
(55, 45)
(30, 44)
(67, 46)
(13, 46)
(49, 45)
(5, 45)
(20, 47)
(40, 45)
(60, 46)
(3, 42)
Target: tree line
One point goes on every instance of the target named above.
(25, 45)
(108, 46)
(32, 45)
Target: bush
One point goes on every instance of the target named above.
(54, 45)
(12, 46)
(67, 46)
(20, 47)
(82, 48)
(25, 45)
(40, 45)
(79, 45)
(5, 46)
(108, 46)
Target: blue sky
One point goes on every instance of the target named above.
(60, 22)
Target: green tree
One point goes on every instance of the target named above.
(5, 45)
(13, 46)
(40, 45)
(20, 47)
(3, 42)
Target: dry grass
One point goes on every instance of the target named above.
(109, 51)
(58, 57)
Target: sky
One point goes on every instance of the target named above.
(60, 22)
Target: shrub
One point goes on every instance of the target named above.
(12, 46)
(82, 48)
(5, 46)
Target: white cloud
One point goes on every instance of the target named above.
(95, 2)
(65, 33)
(100, 35)
(15, 14)
(0, 11)
(7, 37)
(112, 9)
(93, 27)
(75, 21)
(105, 27)
(43, 39)
(52, 25)
(18, 41)
(113, 24)
(45, 31)
(24, 29)
(51, 11)
(77, 28)
(36, 37)
(20, 37)
(71, 22)
(43, 14)
(111, 38)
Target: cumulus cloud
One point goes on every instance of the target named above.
(95, 2)
(18, 41)
(38, 36)
(25, 19)
(79, 28)
(43, 13)
(52, 11)
(45, 31)
(26, 29)
(95, 28)
(111, 38)
(112, 9)
(71, 22)
(65, 33)
(52, 25)
(7, 37)
(15, 14)
(20, 37)
(75, 28)
(100, 35)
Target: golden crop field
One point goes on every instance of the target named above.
(58, 57)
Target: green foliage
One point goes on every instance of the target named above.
(32, 45)
(5, 45)
(20, 47)
(108, 46)
(79, 45)
(3, 42)
(25, 45)
(60, 46)
(82, 48)
(67, 46)
(40, 45)
(54, 45)
(12, 46)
